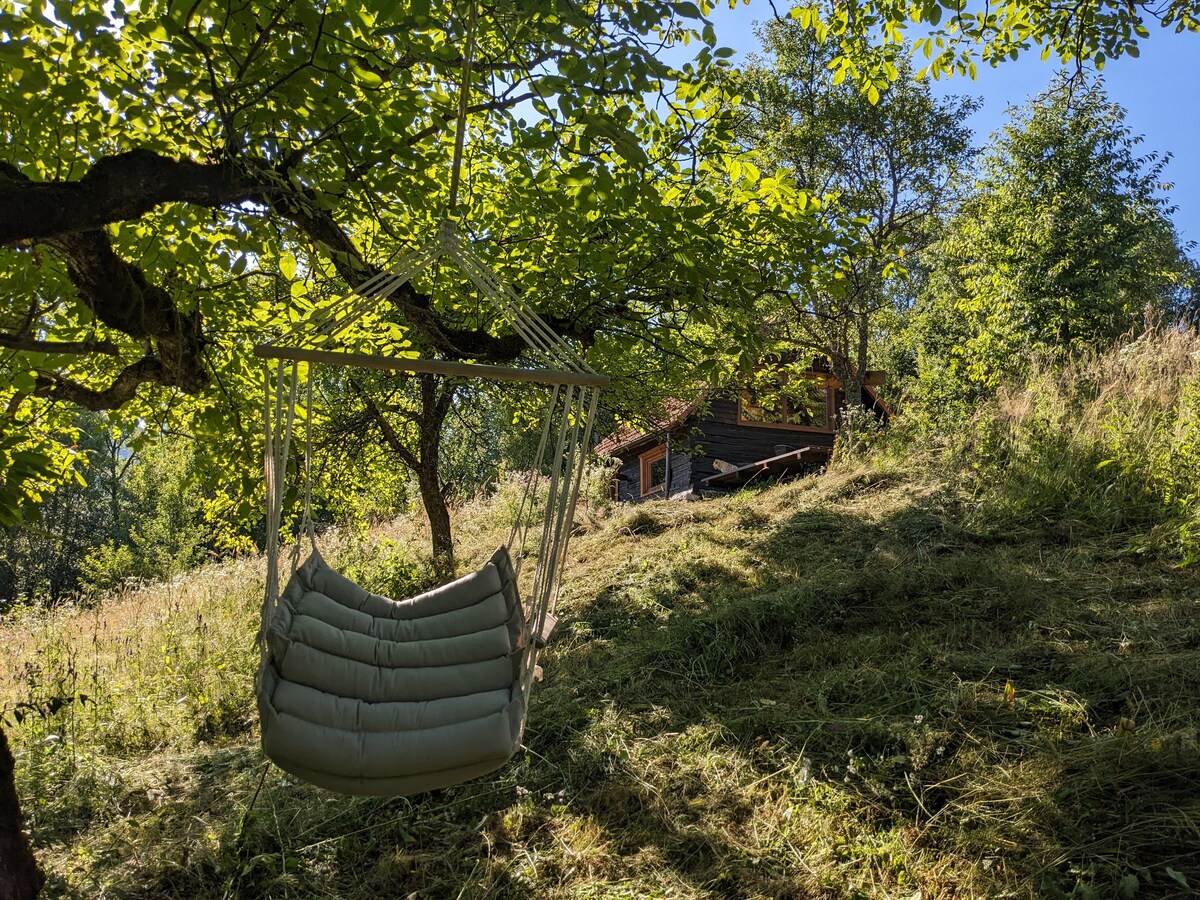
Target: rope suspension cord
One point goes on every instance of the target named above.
(306, 522)
(521, 521)
(276, 450)
(464, 98)
(565, 480)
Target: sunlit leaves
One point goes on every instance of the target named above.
(1063, 245)
(348, 109)
(32, 465)
(954, 38)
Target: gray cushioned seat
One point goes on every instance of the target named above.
(366, 695)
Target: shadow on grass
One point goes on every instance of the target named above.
(967, 696)
(818, 703)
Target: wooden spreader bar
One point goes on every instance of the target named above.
(432, 366)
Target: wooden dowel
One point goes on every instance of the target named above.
(431, 366)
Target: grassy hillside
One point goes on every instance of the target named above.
(920, 675)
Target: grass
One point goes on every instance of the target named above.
(892, 680)
(830, 688)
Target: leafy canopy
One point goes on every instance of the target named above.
(1063, 245)
(179, 179)
(953, 36)
(883, 167)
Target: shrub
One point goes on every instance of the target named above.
(384, 567)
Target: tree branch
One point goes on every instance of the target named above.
(32, 345)
(115, 189)
(121, 297)
(69, 216)
(386, 431)
(319, 226)
(121, 391)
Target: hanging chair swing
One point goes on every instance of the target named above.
(367, 695)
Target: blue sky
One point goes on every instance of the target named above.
(1158, 91)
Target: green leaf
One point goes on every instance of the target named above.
(365, 76)
(1128, 887)
(1178, 877)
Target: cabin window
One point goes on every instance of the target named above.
(654, 470)
(801, 403)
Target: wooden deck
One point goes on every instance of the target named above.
(773, 466)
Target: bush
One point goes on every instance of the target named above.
(107, 567)
(384, 567)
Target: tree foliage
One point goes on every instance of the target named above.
(180, 178)
(951, 37)
(882, 168)
(129, 514)
(1063, 245)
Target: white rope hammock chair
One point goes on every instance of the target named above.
(367, 695)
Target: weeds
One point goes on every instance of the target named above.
(1109, 443)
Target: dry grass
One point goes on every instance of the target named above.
(858, 685)
(1107, 443)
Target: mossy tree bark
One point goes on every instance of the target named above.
(20, 878)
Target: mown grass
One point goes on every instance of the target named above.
(893, 680)
(830, 688)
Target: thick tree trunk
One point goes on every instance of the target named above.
(436, 398)
(20, 878)
(438, 513)
(849, 361)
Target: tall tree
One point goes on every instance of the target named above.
(882, 167)
(1063, 244)
(160, 159)
(406, 416)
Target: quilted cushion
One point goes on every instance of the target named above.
(366, 695)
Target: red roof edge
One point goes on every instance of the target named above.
(674, 413)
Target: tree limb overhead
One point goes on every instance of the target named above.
(121, 297)
(120, 392)
(116, 189)
(33, 345)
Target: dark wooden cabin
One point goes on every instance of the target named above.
(729, 438)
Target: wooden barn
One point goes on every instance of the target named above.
(729, 438)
